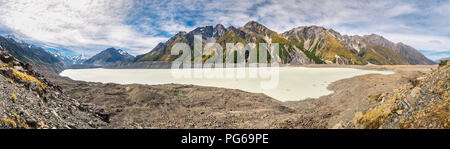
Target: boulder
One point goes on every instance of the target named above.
(6, 57)
(7, 72)
(444, 63)
(28, 67)
(34, 86)
(98, 110)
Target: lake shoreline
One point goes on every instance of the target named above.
(168, 65)
(287, 83)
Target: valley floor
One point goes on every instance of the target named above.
(188, 106)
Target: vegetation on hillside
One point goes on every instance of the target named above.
(425, 103)
(382, 56)
(28, 79)
(334, 48)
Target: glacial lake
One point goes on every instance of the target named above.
(281, 83)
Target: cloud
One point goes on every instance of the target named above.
(420, 41)
(435, 41)
(436, 55)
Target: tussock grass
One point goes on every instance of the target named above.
(4, 65)
(28, 79)
(374, 118)
(13, 96)
(8, 122)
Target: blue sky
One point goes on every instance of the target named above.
(85, 26)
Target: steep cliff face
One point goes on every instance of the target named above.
(322, 44)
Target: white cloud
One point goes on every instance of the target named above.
(80, 23)
(173, 27)
(438, 56)
(421, 42)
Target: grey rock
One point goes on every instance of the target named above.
(7, 72)
(5, 57)
(34, 86)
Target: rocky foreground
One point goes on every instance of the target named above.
(31, 100)
(424, 103)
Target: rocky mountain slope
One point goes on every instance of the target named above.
(301, 45)
(31, 54)
(29, 100)
(422, 104)
(413, 56)
(162, 51)
(110, 56)
(331, 47)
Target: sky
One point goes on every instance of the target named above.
(90, 26)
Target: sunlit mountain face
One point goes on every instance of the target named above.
(138, 26)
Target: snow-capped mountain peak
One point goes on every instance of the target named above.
(122, 52)
(69, 59)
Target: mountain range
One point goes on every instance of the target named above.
(56, 61)
(301, 45)
(70, 60)
(28, 53)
